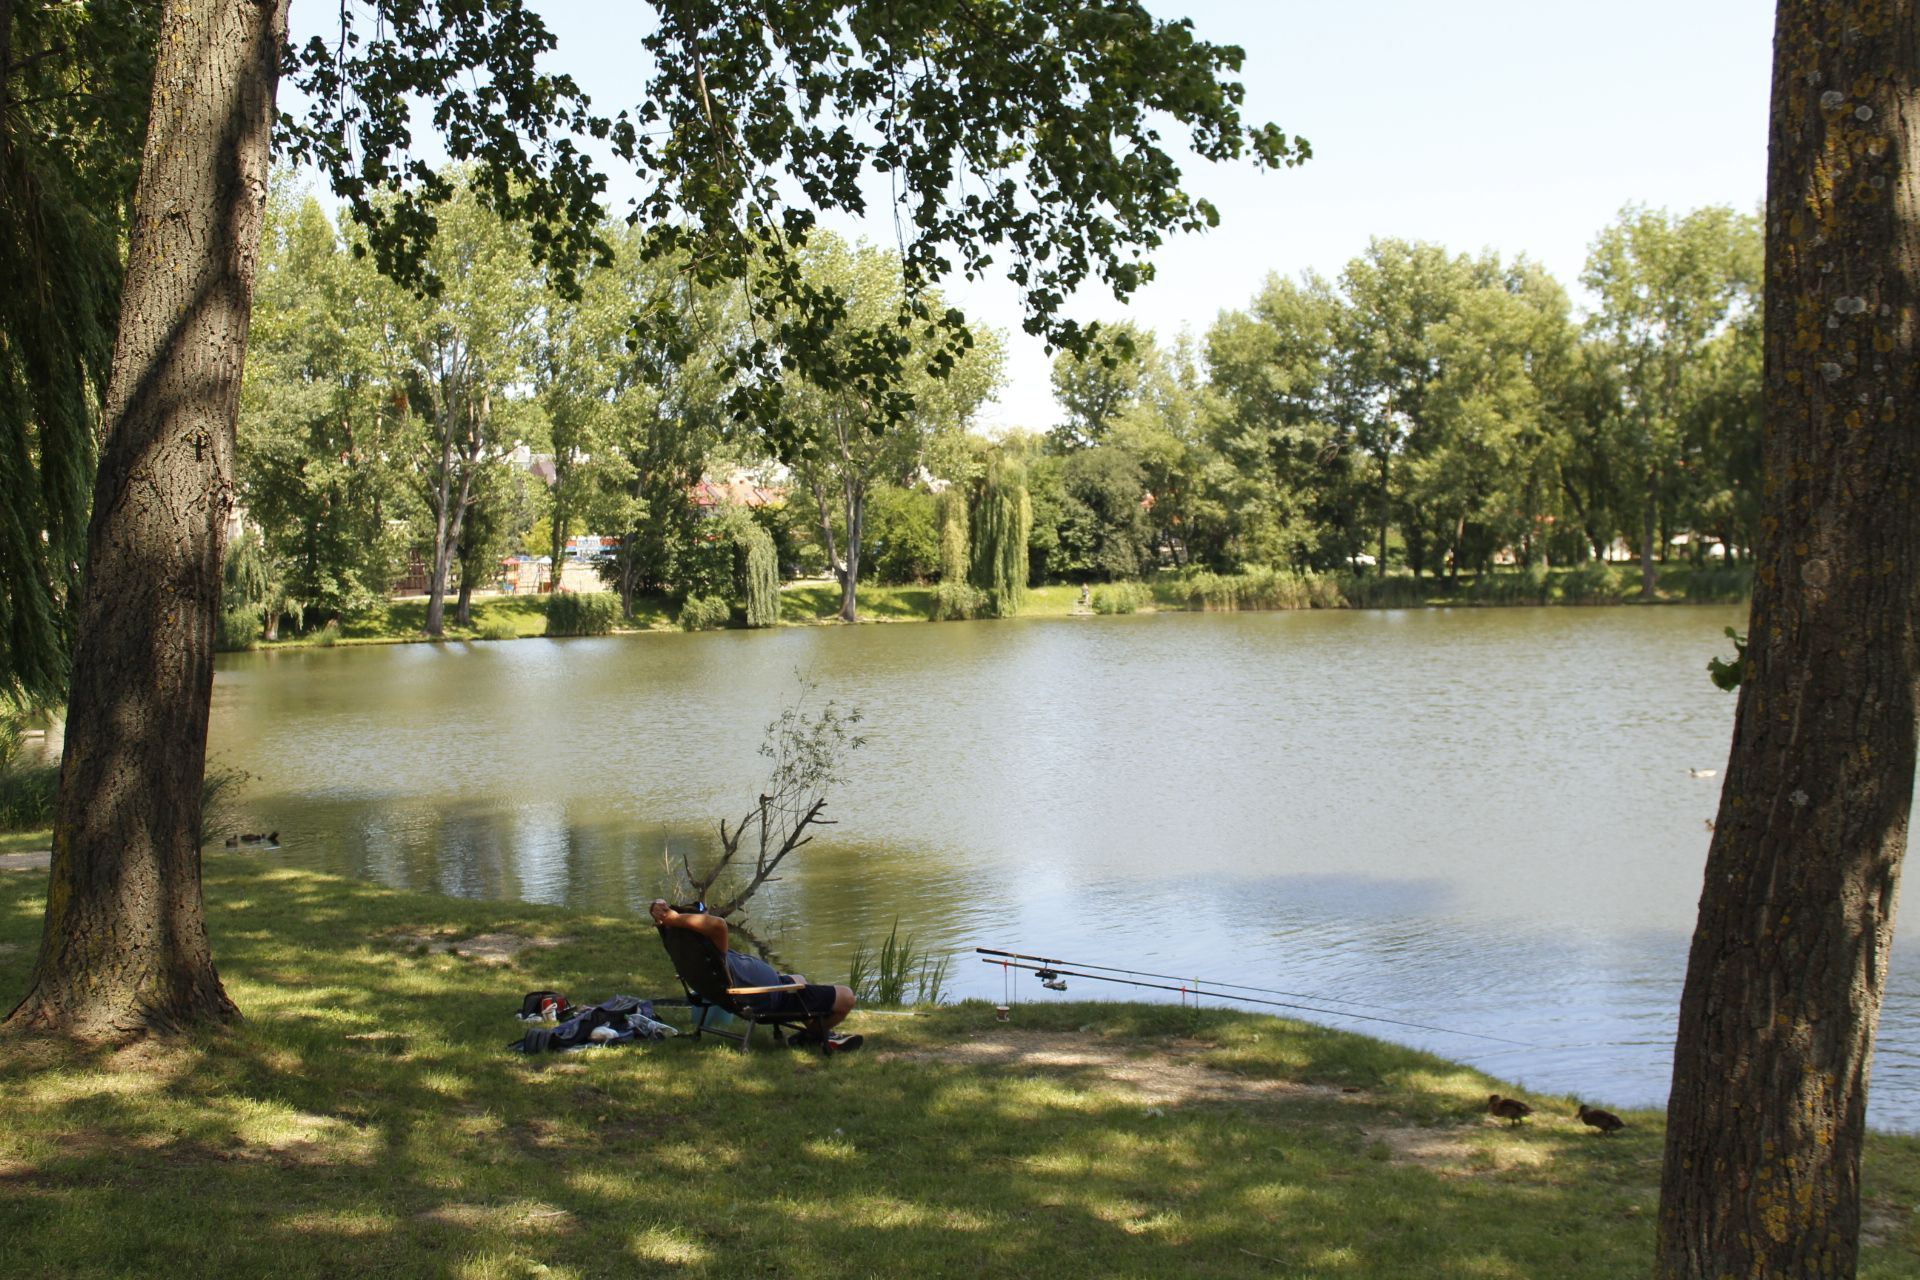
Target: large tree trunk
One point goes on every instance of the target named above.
(125, 948)
(1649, 532)
(1789, 960)
(1385, 507)
(854, 495)
(445, 530)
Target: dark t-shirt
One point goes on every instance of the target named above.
(814, 1000)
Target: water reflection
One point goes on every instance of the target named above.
(1480, 819)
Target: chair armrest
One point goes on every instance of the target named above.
(760, 991)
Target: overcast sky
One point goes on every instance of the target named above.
(1521, 126)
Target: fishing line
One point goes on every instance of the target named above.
(1185, 989)
(1197, 982)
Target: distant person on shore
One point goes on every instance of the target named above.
(827, 1005)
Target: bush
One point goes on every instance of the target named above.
(329, 635)
(1382, 591)
(1728, 583)
(26, 796)
(957, 601)
(1264, 588)
(239, 628)
(1532, 585)
(497, 629)
(1595, 582)
(704, 613)
(1121, 597)
(1258, 587)
(1209, 592)
(591, 613)
(1323, 591)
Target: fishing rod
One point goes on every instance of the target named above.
(1197, 983)
(1186, 988)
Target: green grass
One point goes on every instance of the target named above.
(365, 1120)
(26, 841)
(820, 602)
(511, 617)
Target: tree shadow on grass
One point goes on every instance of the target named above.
(366, 1118)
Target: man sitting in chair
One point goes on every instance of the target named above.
(827, 1005)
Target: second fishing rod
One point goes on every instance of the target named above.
(1053, 969)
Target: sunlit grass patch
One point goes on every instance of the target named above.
(670, 1246)
(366, 1118)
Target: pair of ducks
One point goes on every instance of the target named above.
(1513, 1111)
(271, 840)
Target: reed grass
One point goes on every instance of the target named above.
(886, 976)
(1384, 591)
(1532, 585)
(1120, 597)
(1722, 584)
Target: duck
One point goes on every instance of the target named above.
(1512, 1110)
(271, 839)
(1605, 1121)
(1703, 773)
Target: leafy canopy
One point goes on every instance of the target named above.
(1029, 129)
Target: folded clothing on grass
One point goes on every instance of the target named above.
(621, 1020)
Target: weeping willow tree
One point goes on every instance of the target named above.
(1003, 520)
(950, 511)
(760, 569)
(73, 84)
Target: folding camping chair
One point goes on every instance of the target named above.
(702, 969)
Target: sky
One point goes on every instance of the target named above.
(1521, 126)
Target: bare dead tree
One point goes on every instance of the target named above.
(809, 750)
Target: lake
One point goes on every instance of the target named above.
(1482, 821)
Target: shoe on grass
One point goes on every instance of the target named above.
(844, 1044)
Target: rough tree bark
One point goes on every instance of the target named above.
(125, 949)
(1789, 959)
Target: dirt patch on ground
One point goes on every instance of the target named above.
(1882, 1223)
(487, 948)
(25, 861)
(1165, 1075)
(1454, 1153)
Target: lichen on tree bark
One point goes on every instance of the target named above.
(1789, 959)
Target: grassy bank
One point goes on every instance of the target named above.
(814, 603)
(365, 1120)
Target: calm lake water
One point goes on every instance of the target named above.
(1479, 820)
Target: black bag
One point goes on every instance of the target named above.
(538, 1006)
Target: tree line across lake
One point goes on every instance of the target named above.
(1426, 411)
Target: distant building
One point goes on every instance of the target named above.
(741, 489)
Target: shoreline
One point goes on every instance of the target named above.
(884, 605)
(365, 1116)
